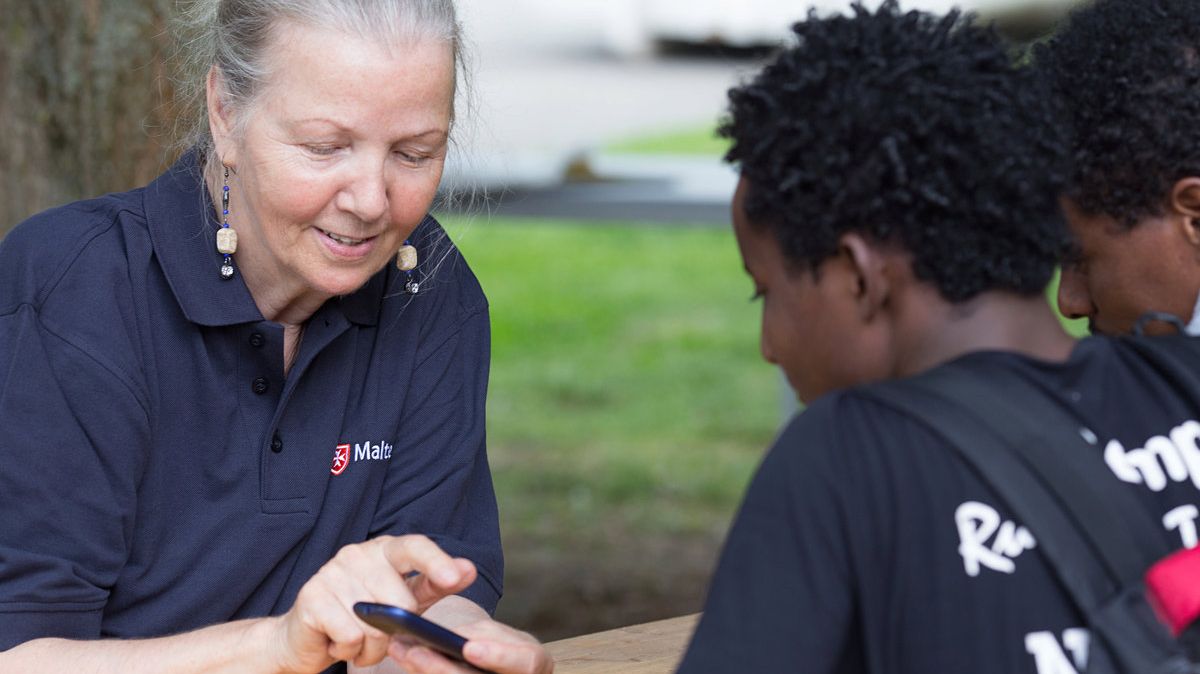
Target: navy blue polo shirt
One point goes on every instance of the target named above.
(159, 472)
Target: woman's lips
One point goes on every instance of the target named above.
(346, 246)
(344, 240)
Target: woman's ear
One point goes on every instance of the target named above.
(220, 118)
(867, 266)
(1185, 202)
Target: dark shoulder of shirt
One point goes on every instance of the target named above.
(40, 249)
(70, 266)
(447, 285)
(864, 544)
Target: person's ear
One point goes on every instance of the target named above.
(220, 118)
(867, 266)
(1185, 202)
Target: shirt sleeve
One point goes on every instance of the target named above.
(443, 488)
(781, 599)
(71, 434)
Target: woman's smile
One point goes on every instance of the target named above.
(343, 247)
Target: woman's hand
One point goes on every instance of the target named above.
(321, 627)
(492, 646)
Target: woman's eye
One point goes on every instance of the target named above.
(321, 150)
(409, 157)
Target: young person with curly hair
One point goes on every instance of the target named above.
(898, 214)
(1127, 73)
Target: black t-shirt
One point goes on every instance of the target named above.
(865, 544)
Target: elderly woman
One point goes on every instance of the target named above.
(236, 401)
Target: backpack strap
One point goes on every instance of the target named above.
(1001, 426)
(1042, 462)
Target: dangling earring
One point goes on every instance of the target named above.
(406, 261)
(226, 236)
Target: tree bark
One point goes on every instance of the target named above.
(85, 100)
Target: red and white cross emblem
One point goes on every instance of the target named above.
(341, 459)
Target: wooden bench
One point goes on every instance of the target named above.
(650, 648)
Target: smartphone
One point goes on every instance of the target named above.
(410, 628)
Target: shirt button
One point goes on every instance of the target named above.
(257, 340)
(260, 385)
(276, 444)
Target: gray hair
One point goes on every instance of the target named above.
(233, 35)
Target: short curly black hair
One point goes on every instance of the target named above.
(1128, 75)
(909, 128)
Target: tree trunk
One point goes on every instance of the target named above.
(85, 100)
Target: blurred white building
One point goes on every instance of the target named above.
(636, 26)
(556, 80)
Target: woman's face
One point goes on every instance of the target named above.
(336, 160)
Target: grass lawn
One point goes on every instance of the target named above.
(628, 408)
(701, 140)
(625, 365)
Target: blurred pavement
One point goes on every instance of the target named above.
(549, 93)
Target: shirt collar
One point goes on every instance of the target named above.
(183, 224)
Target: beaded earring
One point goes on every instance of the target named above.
(226, 236)
(406, 261)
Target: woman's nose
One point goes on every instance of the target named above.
(366, 195)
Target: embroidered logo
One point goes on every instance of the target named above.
(341, 459)
(366, 451)
(379, 451)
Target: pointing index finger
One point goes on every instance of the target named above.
(430, 572)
